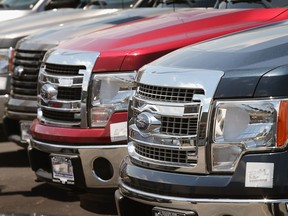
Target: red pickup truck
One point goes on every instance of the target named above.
(79, 137)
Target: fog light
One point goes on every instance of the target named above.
(103, 169)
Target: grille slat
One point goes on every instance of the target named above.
(167, 94)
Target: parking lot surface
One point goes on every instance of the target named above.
(21, 195)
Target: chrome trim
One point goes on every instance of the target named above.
(206, 206)
(72, 106)
(75, 81)
(21, 109)
(57, 148)
(21, 115)
(206, 80)
(67, 58)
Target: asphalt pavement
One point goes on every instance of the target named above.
(21, 195)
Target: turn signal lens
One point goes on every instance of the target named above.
(282, 126)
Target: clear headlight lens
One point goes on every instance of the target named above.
(110, 93)
(6, 56)
(242, 126)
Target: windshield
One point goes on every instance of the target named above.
(223, 4)
(17, 4)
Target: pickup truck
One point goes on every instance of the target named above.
(21, 107)
(14, 30)
(208, 130)
(79, 137)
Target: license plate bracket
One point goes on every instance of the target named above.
(62, 169)
(158, 211)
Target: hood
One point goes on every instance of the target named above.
(130, 46)
(254, 62)
(12, 14)
(46, 39)
(33, 23)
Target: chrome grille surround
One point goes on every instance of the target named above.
(167, 132)
(25, 69)
(62, 87)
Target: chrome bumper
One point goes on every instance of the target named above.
(88, 154)
(204, 206)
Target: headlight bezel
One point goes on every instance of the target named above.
(104, 104)
(240, 147)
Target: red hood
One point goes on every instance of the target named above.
(130, 46)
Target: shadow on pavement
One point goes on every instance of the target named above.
(17, 158)
(47, 191)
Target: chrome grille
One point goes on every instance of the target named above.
(63, 84)
(172, 141)
(64, 107)
(25, 84)
(167, 94)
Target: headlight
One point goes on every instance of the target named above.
(6, 56)
(241, 126)
(110, 93)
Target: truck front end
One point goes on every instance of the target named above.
(208, 130)
(82, 118)
(21, 108)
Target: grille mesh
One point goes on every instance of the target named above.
(167, 94)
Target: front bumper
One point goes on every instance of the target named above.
(19, 111)
(95, 166)
(134, 202)
(204, 195)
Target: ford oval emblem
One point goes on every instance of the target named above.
(18, 71)
(48, 92)
(145, 121)
(142, 121)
